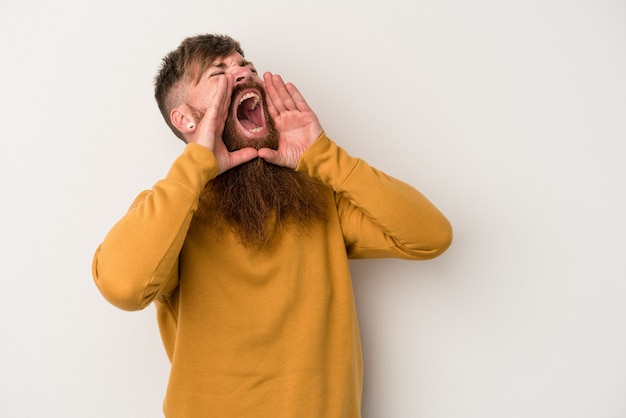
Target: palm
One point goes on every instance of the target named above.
(296, 127)
(296, 123)
(211, 128)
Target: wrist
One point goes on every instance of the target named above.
(327, 162)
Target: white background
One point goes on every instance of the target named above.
(509, 116)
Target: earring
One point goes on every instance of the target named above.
(191, 125)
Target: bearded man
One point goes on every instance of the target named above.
(244, 245)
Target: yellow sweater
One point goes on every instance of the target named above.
(262, 334)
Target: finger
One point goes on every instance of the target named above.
(211, 126)
(219, 100)
(242, 155)
(283, 93)
(298, 99)
(270, 155)
(278, 93)
(226, 88)
(275, 157)
(272, 95)
(268, 99)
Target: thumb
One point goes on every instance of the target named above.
(240, 156)
(270, 155)
(277, 158)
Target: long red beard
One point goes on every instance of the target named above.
(258, 200)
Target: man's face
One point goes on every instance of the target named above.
(248, 122)
(247, 197)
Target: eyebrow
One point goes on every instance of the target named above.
(244, 62)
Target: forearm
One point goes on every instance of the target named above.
(381, 216)
(138, 259)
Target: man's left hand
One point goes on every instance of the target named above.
(296, 123)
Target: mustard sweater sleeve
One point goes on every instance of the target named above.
(380, 216)
(138, 259)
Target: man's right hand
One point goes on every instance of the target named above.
(211, 127)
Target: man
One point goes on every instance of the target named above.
(244, 245)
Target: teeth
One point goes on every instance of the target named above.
(250, 95)
(255, 130)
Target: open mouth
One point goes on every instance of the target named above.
(250, 113)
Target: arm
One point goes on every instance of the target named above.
(138, 260)
(380, 216)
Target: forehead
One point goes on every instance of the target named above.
(203, 68)
(233, 59)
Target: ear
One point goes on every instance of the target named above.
(182, 119)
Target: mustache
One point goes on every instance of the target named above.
(248, 85)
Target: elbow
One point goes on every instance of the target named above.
(120, 291)
(441, 239)
(119, 296)
(434, 243)
(440, 245)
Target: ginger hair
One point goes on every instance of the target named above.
(185, 65)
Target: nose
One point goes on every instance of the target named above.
(242, 75)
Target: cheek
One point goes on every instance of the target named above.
(197, 114)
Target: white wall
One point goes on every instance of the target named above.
(510, 116)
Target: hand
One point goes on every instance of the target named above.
(296, 123)
(211, 127)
